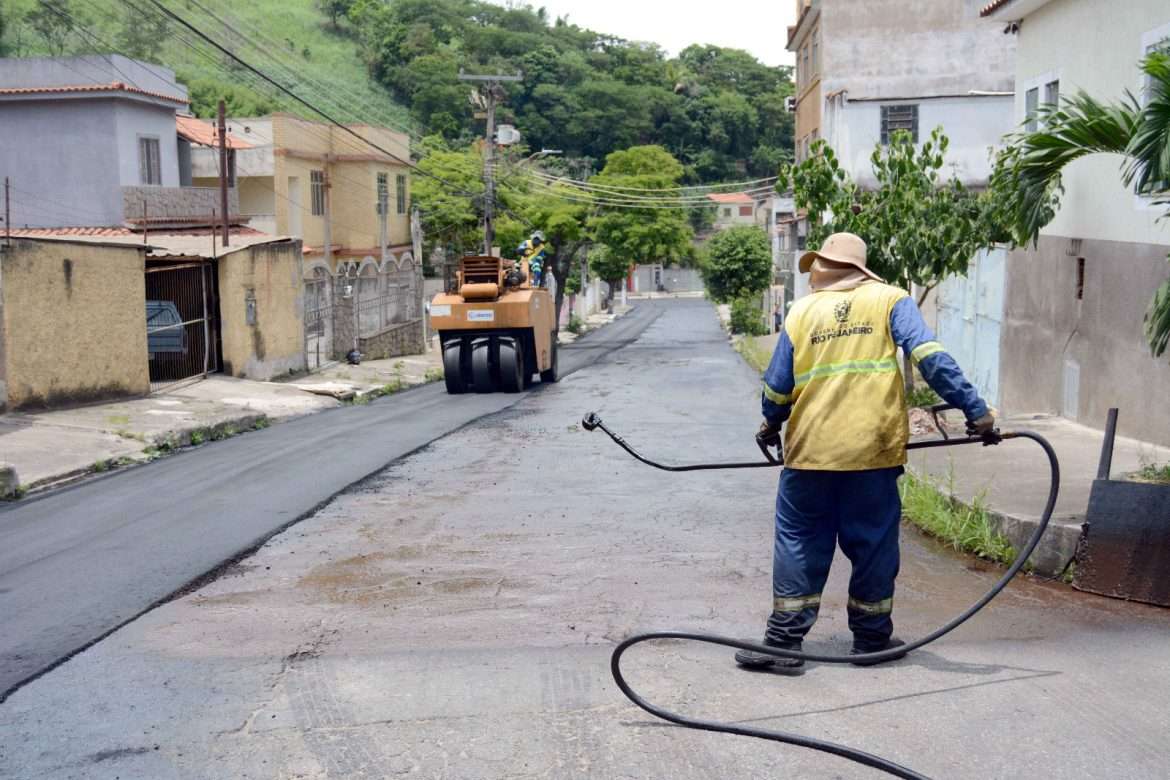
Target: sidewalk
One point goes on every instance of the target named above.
(47, 449)
(1012, 479)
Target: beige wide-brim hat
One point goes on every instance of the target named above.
(840, 248)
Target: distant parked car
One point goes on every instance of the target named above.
(165, 334)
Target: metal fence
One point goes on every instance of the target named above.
(181, 329)
(341, 311)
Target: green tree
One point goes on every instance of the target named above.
(608, 266)
(239, 100)
(55, 21)
(1030, 170)
(451, 215)
(142, 34)
(642, 235)
(334, 9)
(918, 226)
(737, 262)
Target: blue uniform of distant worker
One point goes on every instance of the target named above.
(834, 379)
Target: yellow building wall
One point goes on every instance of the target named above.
(268, 278)
(74, 323)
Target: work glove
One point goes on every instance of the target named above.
(769, 436)
(983, 426)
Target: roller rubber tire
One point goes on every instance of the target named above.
(481, 366)
(511, 366)
(553, 372)
(453, 368)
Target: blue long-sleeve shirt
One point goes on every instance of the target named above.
(911, 333)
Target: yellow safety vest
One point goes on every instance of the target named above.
(848, 407)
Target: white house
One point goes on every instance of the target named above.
(1073, 333)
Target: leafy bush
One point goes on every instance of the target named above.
(737, 263)
(746, 317)
(922, 398)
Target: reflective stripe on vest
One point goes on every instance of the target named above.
(778, 398)
(883, 366)
(925, 350)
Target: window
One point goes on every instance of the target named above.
(816, 52)
(805, 63)
(727, 212)
(400, 191)
(1031, 103)
(149, 165)
(895, 118)
(1052, 92)
(317, 192)
(383, 194)
(1080, 278)
(745, 211)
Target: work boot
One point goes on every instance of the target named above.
(890, 644)
(750, 659)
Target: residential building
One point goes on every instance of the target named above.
(91, 141)
(733, 209)
(346, 193)
(866, 70)
(1072, 336)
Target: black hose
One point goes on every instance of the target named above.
(852, 754)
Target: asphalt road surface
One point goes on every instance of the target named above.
(76, 564)
(452, 617)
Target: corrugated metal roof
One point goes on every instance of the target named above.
(204, 133)
(182, 243)
(116, 86)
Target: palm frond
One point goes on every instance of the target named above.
(1149, 147)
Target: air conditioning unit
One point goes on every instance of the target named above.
(790, 104)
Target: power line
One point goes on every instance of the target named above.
(685, 188)
(300, 99)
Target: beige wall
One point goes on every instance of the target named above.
(1046, 328)
(74, 323)
(271, 275)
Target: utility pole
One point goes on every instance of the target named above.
(223, 171)
(494, 93)
(416, 248)
(7, 212)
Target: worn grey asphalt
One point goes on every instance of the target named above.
(79, 562)
(452, 617)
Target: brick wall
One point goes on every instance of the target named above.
(401, 339)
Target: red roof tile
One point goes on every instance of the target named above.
(993, 6)
(199, 131)
(730, 197)
(72, 231)
(116, 86)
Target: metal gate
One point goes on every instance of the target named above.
(181, 323)
(318, 319)
(970, 316)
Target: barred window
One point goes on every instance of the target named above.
(400, 191)
(149, 165)
(317, 192)
(383, 193)
(902, 117)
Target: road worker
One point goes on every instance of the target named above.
(834, 378)
(534, 251)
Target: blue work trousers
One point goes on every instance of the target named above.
(816, 511)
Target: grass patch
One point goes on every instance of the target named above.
(964, 528)
(1159, 474)
(433, 374)
(100, 466)
(575, 326)
(754, 353)
(118, 419)
(922, 397)
(125, 434)
(198, 436)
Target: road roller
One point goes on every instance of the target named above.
(496, 330)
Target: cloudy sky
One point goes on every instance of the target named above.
(760, 26)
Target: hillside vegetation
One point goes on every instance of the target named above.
(719, 111)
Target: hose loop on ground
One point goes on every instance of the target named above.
(844, 751)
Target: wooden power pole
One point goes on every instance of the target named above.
(223, 172)
(494, 93)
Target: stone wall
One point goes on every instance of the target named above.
(175, 202)
(401, 339)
